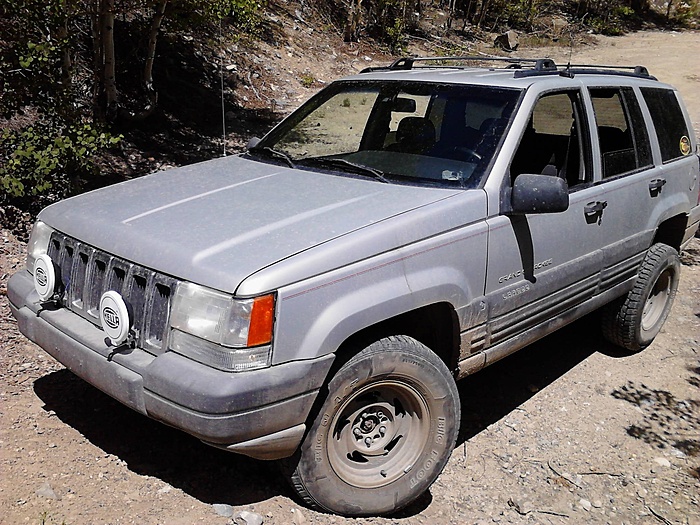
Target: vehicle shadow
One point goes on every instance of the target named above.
(214, 476)
(152, 449)
(496, 391)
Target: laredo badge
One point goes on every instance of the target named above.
(685, 145)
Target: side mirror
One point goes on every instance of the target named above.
(539, 194)
(252, 143)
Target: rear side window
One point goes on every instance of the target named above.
(622, 134)
(669, 122)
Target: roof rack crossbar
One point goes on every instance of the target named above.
(406, 63)
(538, 66)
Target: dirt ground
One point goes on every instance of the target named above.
(567, 431)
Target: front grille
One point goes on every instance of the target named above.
(85, 273)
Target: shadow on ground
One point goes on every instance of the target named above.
(213, 476)
(496, 391)
(152, 449)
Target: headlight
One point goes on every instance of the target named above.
(230, 334)
(38, 243)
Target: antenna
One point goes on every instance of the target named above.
(221, 74)
(567, 71)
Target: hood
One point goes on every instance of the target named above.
(216, 222)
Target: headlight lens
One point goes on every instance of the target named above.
(230, 334)
(38, 243)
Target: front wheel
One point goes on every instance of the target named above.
(383, 434)
(634, 320)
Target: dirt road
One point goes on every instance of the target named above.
(568, 431)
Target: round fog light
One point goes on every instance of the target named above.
(114, 317)
(44, 277)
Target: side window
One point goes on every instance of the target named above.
(555, 142)
(622, 135)
(669, 122)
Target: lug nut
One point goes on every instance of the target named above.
(382, 431)
(368, 442)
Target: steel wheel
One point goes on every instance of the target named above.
(383, 433)
(657, 300)
(634, 320)
(377, 432)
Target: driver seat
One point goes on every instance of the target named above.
(414, 135)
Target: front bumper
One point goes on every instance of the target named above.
(259, 413)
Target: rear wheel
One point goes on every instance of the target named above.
(384, 432)
(633, 321)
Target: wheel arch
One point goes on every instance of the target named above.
(671, 231)
(435, 325)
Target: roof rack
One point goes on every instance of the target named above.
(524, 67)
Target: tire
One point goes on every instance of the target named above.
(383, 434)
(633, 321)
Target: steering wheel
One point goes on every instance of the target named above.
(461, 153)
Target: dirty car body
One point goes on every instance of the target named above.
(316, 297)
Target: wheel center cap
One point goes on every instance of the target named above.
(369, 423)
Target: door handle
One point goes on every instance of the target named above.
(594, 211)
(595, 208)
(655, 186)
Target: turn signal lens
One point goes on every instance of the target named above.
(261, 320)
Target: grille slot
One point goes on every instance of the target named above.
(86, 273)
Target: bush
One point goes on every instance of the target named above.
(49, 156)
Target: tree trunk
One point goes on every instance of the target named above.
(150, 57)
(668, 10)
(352, 26)
(110, 82)
(482, 12)
(66, 65)
(97, 60)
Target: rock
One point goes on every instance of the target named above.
(245, 517)
(507, 41)
(597, 503)
(298, 517)
(521, 505)
(46, 491)
(223, 510)
(662, 462)
(559, 24)
(585, 504)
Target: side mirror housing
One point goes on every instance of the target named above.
(539, 194)
(252, 143)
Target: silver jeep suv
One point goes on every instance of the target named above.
(315, 298)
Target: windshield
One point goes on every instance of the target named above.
(407, 132)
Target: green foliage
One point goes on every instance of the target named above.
(395, 36)
(49, 157)
(687, 13)
(245, 15)
(307, 80)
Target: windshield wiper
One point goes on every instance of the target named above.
(342, 163)
(271, 152)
